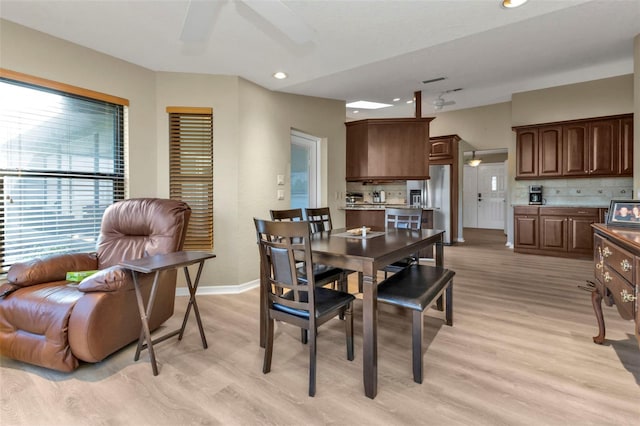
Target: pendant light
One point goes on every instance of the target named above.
(474, 162)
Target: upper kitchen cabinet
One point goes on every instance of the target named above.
(388, 149)
(590, 147)
(444, 149)
(539, 152)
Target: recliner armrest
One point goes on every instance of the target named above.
(113, 278)
(51, 268)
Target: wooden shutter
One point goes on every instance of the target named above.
(191, 170)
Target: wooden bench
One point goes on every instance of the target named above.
(416, 288)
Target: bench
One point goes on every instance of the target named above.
(416, 288)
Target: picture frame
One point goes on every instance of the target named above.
(624, 213)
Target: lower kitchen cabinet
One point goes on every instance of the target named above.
(374, 218)
(555, 231)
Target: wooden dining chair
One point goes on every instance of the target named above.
(319, 219)
(291, 292)
(402, 218)
(323, 274)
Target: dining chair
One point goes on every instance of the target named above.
(402, 218)
(319, 219)
(290, 290)
(323, 274)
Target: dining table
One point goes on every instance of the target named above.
(367, 255)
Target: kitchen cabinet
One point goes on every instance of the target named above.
(590, 147)
(388, 149)
(525, 227)
(626, 147)
(444, 148)
(373, 218)
(556, 231)
(539, 152)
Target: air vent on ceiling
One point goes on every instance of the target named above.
(433, 80)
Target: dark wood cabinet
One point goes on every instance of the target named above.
(556, 231)
(444, 148)
(616, 259)
(527, 153)
(550, 148)
(373, 218)
(589, 147)
(626, 147)
(388, 149)
(526, 228)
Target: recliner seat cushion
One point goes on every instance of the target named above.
(33, 326)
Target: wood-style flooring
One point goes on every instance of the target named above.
(519, 353)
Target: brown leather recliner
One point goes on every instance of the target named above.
(51, 322)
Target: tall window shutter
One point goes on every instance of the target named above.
(191, 170)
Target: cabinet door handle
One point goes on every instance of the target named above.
(625, 265)
(606, 252)
(607, 278)
(627, 297)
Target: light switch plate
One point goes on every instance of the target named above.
(280, 194)
(280, 179)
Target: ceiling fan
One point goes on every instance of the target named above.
(439, 102)
(201, 16)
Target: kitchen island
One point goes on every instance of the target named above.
(372, 215)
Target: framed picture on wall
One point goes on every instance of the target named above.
(624, 213)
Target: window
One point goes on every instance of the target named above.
(61, 165)
(191, 170)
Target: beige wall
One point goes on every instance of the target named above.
(31, 52)
(252, 128)
(636, 117)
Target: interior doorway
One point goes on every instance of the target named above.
(305, 170)
(484, 196)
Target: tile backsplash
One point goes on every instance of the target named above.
(396, 193)
(575, 192)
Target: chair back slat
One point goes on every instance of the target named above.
(403, 218)
(319, 219)
(292, 215)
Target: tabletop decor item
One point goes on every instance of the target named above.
(624, 213)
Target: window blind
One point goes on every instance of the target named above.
(61, 165)
(191, 170)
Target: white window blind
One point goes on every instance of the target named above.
(61, 165)
(191, 170)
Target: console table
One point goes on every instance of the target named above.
(617, 273)
(156, 264)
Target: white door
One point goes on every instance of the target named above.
(484, 196)
(470, 197)
(491, 196)
(305, 165)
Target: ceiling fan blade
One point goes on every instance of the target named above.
(283, 19)
(198, 20)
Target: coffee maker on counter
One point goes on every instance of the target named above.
(535, 194)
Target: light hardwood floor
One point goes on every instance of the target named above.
(519, 353)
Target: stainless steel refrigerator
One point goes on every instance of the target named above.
(435, 194)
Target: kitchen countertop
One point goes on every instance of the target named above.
(379, 206)
(586, 206)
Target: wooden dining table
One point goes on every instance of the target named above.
(368, 255)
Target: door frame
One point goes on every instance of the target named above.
(315, 178)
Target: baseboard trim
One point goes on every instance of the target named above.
(220, 289)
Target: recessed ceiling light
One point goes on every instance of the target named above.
(396, 99)
(512, 4)
(367, 105)
(280, 75)
(356, 111)
(410, 102)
